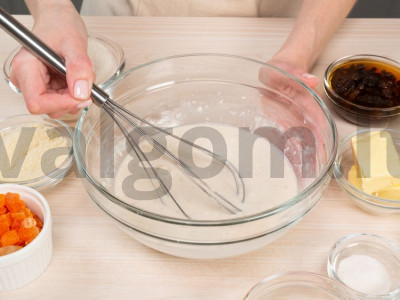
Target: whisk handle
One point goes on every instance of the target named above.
(43, 52)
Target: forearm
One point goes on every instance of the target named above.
(38, 7)
(317, 22)
(43, 92)
(51, 16)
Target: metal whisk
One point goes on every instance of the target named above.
(121, 115)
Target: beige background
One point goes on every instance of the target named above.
(362, 9)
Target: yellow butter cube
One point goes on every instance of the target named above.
(377, 160)
(354, 178)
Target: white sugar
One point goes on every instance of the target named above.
(364, 274)
(103, 61)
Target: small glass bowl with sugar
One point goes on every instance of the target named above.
(107, 57)
(367, 264)
(108, 61)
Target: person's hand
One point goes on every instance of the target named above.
(291, 89)
(297, 71)
(296, 114)
(62, 29)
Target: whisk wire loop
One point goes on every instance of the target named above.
(200, 183)
(239, 184)
(143, 159)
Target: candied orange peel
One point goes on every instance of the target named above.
(18, 224)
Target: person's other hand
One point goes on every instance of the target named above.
(298, 95)
(297, 71)
(45, 92)
(295, 112)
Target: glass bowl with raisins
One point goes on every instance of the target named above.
(364, 89)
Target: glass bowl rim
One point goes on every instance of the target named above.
(344, 182)
(275, 210)
(307, 277)
(58, 173)
(119, 67)
(129, 226)
(350, 58)
(121, 57)
(376, 240)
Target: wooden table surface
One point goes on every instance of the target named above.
(93, 259)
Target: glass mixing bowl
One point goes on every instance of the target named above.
(211, 89)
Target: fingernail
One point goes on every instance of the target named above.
(81, 89)
(84, 104)
(307, 75)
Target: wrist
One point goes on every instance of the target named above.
(293, 56)
(38, 7)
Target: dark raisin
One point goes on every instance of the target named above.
(373, 101)
(366, 86)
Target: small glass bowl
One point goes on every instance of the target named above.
(344, 161)
(55, 176)
(366, 249)
(108, 61)
(358, 114)
(107, 57)
(23, 266)
(299, 286)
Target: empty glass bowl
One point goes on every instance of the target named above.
(203, 89)
(299, 286)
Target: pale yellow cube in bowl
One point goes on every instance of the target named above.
(367, 168)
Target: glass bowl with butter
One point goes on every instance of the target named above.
(367, 168)
(36, 151)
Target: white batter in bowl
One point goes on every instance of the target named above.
(282, 144)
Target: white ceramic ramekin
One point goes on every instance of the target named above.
(25, 265)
